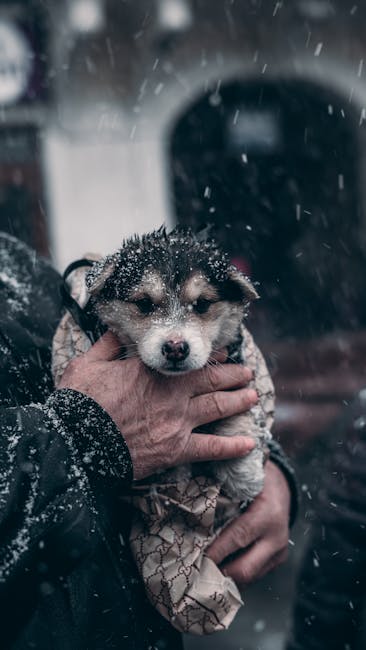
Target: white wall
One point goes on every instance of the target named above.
(99, 193)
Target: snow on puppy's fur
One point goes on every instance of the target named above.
(173, 297)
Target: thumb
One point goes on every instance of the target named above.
(106, 348)
(202, 447)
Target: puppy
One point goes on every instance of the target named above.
(174, 300)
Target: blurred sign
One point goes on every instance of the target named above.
(255, 131)
(16, 63)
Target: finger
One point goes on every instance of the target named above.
(221, 404)
(218, 377)
(276, 561)
(106, 348)
(202, 447)
(236, 536)
(219, 356)
(251, 565)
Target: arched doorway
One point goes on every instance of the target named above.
(274, 167)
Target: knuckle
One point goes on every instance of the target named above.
(278, 537)
(278, 559)
(247, 373)
(215, 377)
(212, 378)
(240, 533)
(215, 447)
(282, 545)
(245, 573)
(218, 405)
(283, 557)
(285, 538)
(277, 514)
(250, 397)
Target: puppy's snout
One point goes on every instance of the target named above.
(175, 350)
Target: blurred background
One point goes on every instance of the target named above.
(119, 115)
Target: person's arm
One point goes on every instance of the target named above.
(50, 456)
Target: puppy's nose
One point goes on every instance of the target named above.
(175, 350)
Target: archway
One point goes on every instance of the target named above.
(274, 167)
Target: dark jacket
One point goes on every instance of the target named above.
(331, 593)
(67, 581)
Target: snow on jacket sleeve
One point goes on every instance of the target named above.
(47, 451)
(52, 459)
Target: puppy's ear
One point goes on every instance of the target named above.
(99, 274)
(239, 287)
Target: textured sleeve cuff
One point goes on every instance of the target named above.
(93, 434)
(279, 458)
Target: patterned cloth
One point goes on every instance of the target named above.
(179, 512)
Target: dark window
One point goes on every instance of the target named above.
(22, 211)
(274, 168)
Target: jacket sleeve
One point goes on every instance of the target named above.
(332, 584)
(53, 457)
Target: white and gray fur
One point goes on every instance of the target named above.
(174, 300)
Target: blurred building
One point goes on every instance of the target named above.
(119, 92)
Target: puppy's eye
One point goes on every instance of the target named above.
(201, 305)
(145, 305)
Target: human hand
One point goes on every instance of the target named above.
(157, 414)
(260, 535)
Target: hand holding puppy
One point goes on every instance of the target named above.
(157, 414)
(257, 541)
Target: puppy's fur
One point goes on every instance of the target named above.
(174, 300)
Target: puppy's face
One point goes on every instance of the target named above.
(173, 321)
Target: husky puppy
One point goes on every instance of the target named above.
(174, 300)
